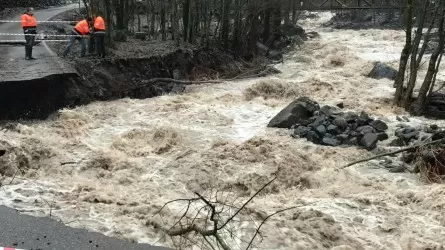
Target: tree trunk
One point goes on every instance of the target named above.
(237, 26)
(266, 24)
(400, 78)
(225, 24)
(406, 102)
(186, 18)
(294, 11)
(163, 29)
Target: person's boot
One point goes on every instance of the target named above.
(26, 53)
(30, 54)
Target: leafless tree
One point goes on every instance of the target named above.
(211, 222)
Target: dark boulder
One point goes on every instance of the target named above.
(365, 129)
(381, 70)
(411, 135)
(382, 136)
(351, 117)
(330, 142)
(333, 129)
(379, 125)
(301, 131)
(312, 136)
(329, 110)
(340, 122)
(321, 130)
(369, 141)
(340, 105)
(299, 110)
(343, 137)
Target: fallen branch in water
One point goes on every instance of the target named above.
(393, 153)
(186, 82)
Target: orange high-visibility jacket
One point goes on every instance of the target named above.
(28, 21)
(99, 24)
(82, 27)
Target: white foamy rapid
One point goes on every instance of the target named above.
(110, 166)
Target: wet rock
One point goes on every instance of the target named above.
(434, 127)
(381, 70)
(411, 135)
(333, 129)
(365, 129)
(369, 141)
(312, 136)
(301, 131)
(397, 169)
(351, 117)
(321, 130)
(438, 136)
(331, 142)
(299, 110)
(379, 125)
(340, 122)
(312, 34)
(343, 137)
(397, 142)
(353, 141)
(340, 105)
(319, 120)
(382, 136)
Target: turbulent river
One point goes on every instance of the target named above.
(110, 166)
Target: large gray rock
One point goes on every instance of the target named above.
(297, 111)
(369, 141)
(381, 70)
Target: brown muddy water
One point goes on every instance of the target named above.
(122, 160)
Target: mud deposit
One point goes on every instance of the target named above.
(110, 165)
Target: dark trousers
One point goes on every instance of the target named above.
(29, 42)
(99, 37)
(73, 39)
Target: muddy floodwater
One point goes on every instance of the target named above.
(110, 166)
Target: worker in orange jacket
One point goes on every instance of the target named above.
(99, 35)
(29, 25)
(81, 30)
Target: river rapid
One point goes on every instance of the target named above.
(110, 166)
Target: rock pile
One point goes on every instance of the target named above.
(330, 126)
(407, 135)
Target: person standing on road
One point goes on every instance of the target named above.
(99, 35)
(80, 30)
(29, 25)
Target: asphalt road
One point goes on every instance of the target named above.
(14, 67)
(33, 233)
